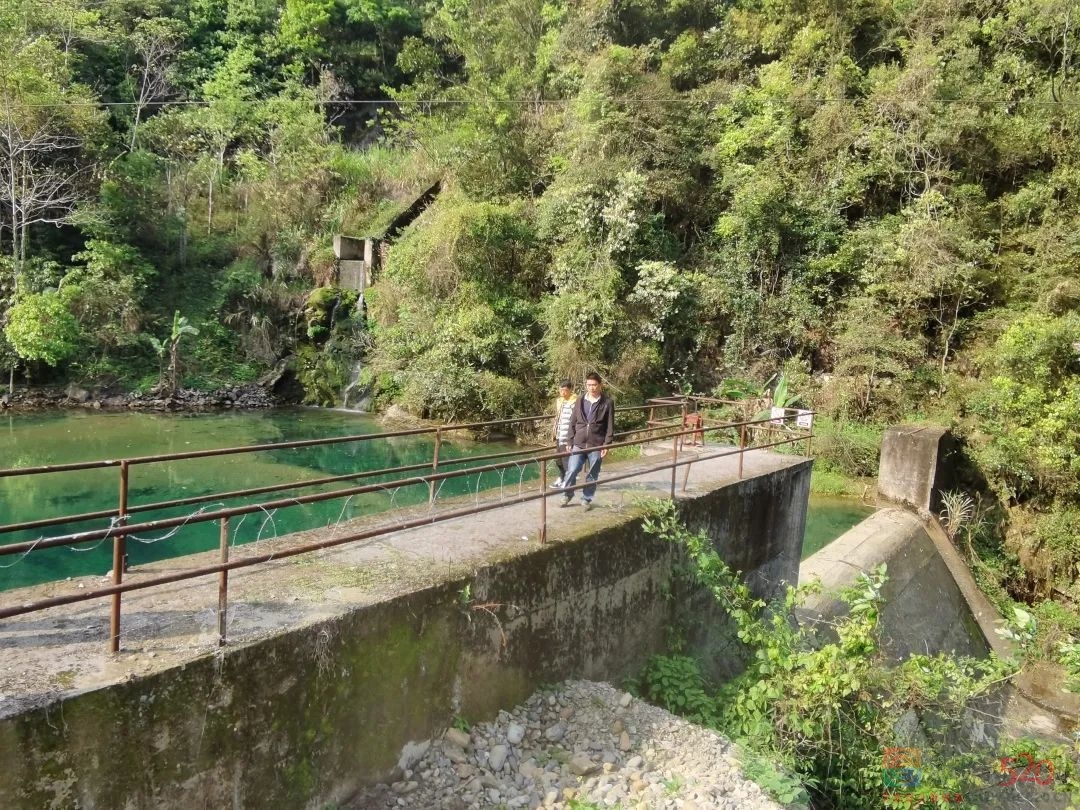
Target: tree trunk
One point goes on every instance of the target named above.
(174, 366)
(14, 226)
(135, 127)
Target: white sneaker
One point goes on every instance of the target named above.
(587, 505)
(557, 484)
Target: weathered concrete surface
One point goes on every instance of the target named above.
(353, 275)
(348, 247)
(934, 605)
(912, 470)
(338, 660)
(926, 611)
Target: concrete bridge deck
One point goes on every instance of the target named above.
(63, 652)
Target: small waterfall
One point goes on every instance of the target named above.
(354, 389)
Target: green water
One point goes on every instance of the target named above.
(828, 517)
(28, 440)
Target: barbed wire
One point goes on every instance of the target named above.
(173, 531)
(512, 482)
(20, 557)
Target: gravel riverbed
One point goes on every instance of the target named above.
(580, 743)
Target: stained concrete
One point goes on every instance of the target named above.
(932, 605)
(913, 469)
(926, 610)
(337, 660)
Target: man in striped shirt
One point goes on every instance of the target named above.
(560, 430)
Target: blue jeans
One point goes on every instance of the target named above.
(577, 461)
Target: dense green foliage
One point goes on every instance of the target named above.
(822, 702)
(879, 199)
(194, 156)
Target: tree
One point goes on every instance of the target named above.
(931, 264)
(1030, 435)
(105, 293)
(155, 44)
(41, 327)
(46, 122)
(872, 353)
(205, 136)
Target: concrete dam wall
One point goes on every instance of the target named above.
(306, 715)
(926, 610)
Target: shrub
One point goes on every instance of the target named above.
(847, 448)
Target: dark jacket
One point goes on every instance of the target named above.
(598, 429)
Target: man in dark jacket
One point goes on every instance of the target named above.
(592, 427)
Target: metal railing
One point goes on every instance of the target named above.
(664, 419)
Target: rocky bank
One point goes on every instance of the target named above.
(252, 395)
(580, 744)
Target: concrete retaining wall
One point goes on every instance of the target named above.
(926, 611)
(303, 718)
(913, 469)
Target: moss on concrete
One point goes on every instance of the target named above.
(306, 716)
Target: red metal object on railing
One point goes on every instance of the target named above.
(655, 429)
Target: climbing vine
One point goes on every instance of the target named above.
(819, 699)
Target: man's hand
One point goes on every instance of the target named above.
(603, 452)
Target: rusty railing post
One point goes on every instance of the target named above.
(435, 464)
(742, 446)
(674, 462)
(119, 548)
(686, 476)
(223, 583)
(543, 501)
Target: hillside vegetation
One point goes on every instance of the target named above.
(879, 199)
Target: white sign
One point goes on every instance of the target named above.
(777, 415)
(804, 419)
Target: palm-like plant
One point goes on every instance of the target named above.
(171, 345)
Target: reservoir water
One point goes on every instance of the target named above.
(828, 517)
(61, 437)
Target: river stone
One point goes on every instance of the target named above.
(582, 765)
(515, 734)
(457, 737)
(556, 732)
(455, 755)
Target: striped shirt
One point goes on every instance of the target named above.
(564, 409)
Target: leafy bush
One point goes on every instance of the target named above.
(822, 707)
(847, 448)
(1032, 444)
(675, 682)
(41, 327)
(216, 359)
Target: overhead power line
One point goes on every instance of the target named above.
(1011, 103)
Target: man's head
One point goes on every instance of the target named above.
(592, 383)
(566, 388)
